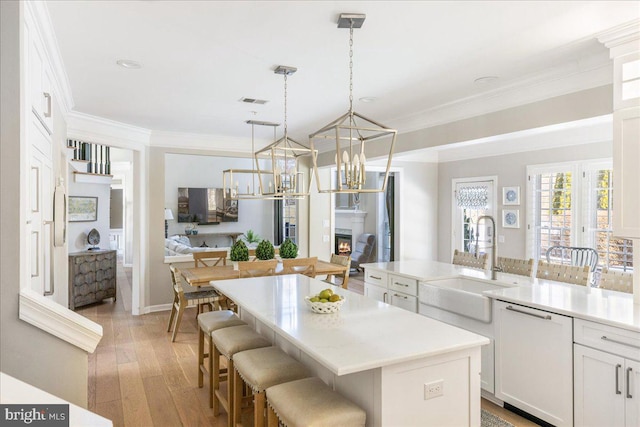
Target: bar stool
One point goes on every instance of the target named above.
(227, 342)
(310, 402)
(260, 369)
(207, 323)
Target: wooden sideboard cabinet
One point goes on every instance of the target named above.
(92, 277)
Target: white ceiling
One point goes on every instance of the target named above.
(200, 57)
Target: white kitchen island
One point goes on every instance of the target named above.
(385, 359)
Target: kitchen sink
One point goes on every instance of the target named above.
(460, 295)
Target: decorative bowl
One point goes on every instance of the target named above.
(324, 307)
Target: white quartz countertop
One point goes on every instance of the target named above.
(365, 334)
(598, 305)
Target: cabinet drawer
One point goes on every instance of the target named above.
(408, 302)
(607, 338)
(376, 277)
(403, 284)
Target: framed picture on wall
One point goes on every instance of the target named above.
(83, 209)
(511, 196)
(510, 218)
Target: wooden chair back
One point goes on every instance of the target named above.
(521, 267)
(257, 268)
(306, 266)
(563, 273)
(345, 261)
(175, 280)
(616, 280)
(210, 258)
(574, 256)
(467, 259)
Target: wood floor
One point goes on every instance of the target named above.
(138, 377)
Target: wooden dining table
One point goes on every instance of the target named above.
(201, 276)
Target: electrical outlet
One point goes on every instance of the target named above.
(325, 223)
(325, 238)
(433, 389)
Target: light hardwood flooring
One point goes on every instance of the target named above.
(138, 377)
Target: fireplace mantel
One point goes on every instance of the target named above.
(351, 213)
(350, 219)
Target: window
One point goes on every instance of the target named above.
(289, 215)
(570, 204)
(473, 198)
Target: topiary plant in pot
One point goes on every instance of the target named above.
(288, 249)
(239, 251)
(265, 250)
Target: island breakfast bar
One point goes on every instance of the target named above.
(400, 367)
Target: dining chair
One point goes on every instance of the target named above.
(521, 267)
(306, 266)
(574, 274)
(573, 255)
(183, 300)
(616, 280)
(257, 268)
(343, 260)
(467, 259)
(210, 258)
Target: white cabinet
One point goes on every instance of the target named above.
(393, 289)
(534, 361)
(375, 292)
(626, 174)
(606, 379)
(39, 85)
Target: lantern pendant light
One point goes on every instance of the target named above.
(235, 181)
(283, 155)
(354, 138)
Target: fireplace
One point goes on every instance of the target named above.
(343, 244)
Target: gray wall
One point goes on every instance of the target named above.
(77, 232)
(511, 171)
(26, 352)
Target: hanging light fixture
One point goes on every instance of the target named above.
(356, 137)
(286, 180)
(235, 181)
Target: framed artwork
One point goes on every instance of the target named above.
(83, 209)
(510, 218)
(511, 196)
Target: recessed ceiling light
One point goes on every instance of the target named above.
(368, 99)
(486, 80)
(127, 63)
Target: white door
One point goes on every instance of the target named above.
(632, 392)
(468, 196)
(375, 292)
(598, 388)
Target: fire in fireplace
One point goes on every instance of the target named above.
(343, 244)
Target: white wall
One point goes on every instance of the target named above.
(77, 232)
(511, 171)
(185, 170)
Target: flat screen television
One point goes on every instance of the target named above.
(205, 206)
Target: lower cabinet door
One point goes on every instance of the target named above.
(408, 302)
(534, 361)
(632, 392)
(375, 292)
(599, 388)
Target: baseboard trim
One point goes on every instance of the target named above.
(491, 397)
(155, 308)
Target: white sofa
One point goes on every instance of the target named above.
(180, 245)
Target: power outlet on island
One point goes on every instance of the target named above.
(433, 389)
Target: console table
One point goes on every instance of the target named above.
(200, 238)
(92, 277)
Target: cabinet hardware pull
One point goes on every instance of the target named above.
(51, 290)
(604, 337)
(47, 222)
(48, 97)
(374, 277)
(618, 391)
(384, 297)
(629, 383)
(547, 317)
(401, 284)
(399, 296)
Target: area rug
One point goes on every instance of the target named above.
(487, 419)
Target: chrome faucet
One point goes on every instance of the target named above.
(494, 246)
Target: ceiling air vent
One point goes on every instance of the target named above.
(253, 101)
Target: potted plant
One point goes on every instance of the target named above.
(288, 249)
(251, 237)
(265, 250)
(238, 252)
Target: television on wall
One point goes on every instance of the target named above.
(205, 206)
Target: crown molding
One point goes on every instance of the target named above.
(621, 35)
(197, 141)
(37, 11)
(105, 131)
(593, 71)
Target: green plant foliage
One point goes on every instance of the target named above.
(265, 250)
(562, 193)
(251, 237)
(239, 251)
(288, 249)
(604, 177)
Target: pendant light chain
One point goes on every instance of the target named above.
(285, 104)
(351, 68)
